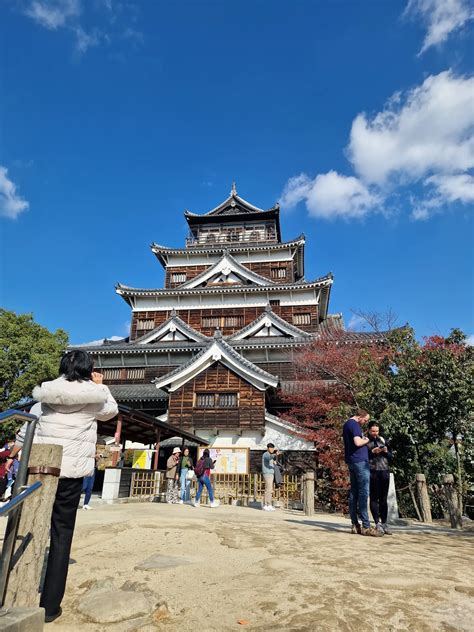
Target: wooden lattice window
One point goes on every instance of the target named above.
(274, 302)
(112, 374)
(136, 374)
(211, 321)
(145, 324)
(216, 400)
(205, 400)
(178, 277)
(301, 319)
(227, 400)
(278, 273)
(234, 321)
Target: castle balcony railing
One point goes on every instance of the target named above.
(229, 237)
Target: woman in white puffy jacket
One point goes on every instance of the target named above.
(68, 409)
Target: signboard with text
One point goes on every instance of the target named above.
(229, 460)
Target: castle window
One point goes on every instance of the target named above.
(205, 400)
(146, 324)
(112, 374)
(301, 319)
(274, 302)
(234, 321)
(178, 277)
(209, 322)
(136, 374)
(227, 400)
(216, 400)
(278, 273)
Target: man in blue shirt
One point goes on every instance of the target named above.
(357, 459)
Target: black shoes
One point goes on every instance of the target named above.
(49, 618)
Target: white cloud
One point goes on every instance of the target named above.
(96, 343)
(53, 14)
(418, 148)
(441, 18)
(11, 203)
(357, 323)
(113, 20)
(470, 340)
(427, 130)
(330, 195)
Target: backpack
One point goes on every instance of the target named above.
(200, 469)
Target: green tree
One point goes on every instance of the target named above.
(29, 355)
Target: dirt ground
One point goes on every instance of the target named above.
(271, 571)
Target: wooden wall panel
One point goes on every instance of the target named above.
(249, 414)
(194, 318)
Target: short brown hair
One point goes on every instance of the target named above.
(361, 412)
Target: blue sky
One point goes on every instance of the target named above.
(116, 116)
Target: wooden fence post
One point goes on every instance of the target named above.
(451, 496)
(308, 494)
(33, 530)
(423, 498)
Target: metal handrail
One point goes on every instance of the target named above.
(18, 500)
(11, 531)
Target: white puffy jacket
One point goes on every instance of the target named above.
(67, 413)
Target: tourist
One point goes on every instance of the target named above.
(268, 471)
(4, 454)
(172, 476)
(379, 458)
(12, 471)
(357, 459)
(185, 473)
(67, 410)
(88, 485)
(203, 472)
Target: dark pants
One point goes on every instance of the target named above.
(87, 487)
(62, 529)
(379, 483)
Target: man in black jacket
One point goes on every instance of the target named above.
(379, 460)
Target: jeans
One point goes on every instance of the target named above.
(63, 521)
(205, 480)
(185, 485)
(359, 492)
(87, 487)
(379, 484)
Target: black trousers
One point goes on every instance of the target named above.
(379, 483)
(63, 521)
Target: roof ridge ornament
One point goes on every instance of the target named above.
(233, 191)
(268, 308)
(218, 334)
(173, 313)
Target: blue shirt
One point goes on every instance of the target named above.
(352, 453)
(268, 464)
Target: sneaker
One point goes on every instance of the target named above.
(215, 503)
(180, 502)
(380, 528)
(271, 508)
(86, 507)
(371, 532)
(266, 508)
(386, 529)
(356, 529)
(196, 504)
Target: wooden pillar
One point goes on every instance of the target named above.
(117, 436)
(423, 498)
(157, 449)
(308, 493)
(33, 530)
(452, 503)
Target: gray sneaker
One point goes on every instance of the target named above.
(386, 529)
(380, 528)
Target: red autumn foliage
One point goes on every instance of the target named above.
(325, 394)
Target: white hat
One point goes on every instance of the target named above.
(176, 450)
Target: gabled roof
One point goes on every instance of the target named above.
(173, 329)
(233, 205)
(268, 325)
(226, 271)
(217, 351)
